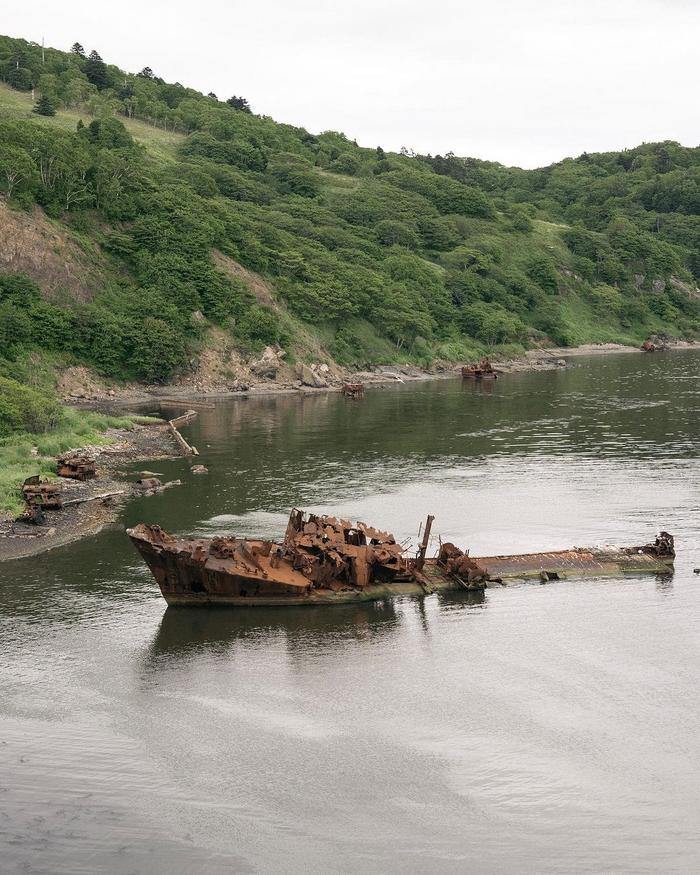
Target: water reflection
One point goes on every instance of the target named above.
(184, 630)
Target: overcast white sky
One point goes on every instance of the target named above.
(524, 83)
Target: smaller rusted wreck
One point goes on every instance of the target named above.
(326, 560)
(42, 493)
(482, 370)
(655, 344)
(353, 390)
(76, 466)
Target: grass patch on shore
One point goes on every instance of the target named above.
(75, 429)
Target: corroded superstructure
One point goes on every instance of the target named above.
(324, 560)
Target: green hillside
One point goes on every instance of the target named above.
(152, 194)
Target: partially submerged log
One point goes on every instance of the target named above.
(173, 402)
(187, 449)
(102, 496)
(186, 417)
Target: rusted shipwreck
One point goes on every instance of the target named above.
(353, 390)
(480, 371)
(325, 560)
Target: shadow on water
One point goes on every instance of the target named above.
(183, 631)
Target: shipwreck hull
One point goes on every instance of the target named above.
(186, 581)
(190, 572)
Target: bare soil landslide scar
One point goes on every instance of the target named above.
(326, 560)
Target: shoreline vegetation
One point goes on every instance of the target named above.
(92, 504)
(131, 438)
(96, 396)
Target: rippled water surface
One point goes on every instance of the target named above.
(538, 728)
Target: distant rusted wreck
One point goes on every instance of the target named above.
(39, 495)
(326, 560)
(353, 390)
(655, 344)
(480, 371)
(76, 467)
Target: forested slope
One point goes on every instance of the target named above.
(137, 189)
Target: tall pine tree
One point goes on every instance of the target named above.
(96, 70)
(77, 49)
(239, 103)
(44, 106)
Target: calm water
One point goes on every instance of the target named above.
(539, 728)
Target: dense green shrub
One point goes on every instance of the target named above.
(25, 409)
(491, 323)
(157, 351)
(346, 163)
(260, 326)
(541, 271)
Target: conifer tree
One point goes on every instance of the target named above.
(239, 103)
(96, 70)
(77, 49)
(44, 106)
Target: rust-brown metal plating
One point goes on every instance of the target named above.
(353, 390)
(479, 371)
(76, 467)
(324, 560)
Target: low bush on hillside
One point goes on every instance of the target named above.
(25, 409)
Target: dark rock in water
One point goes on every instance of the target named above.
(152, 485)
(147, 483)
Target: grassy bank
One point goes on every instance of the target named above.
(23, 455)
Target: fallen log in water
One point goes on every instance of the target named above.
(188, 449)
(102, 495)
(186, 417)
(173, 402)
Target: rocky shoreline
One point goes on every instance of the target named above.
(92, 504)
(270, 375)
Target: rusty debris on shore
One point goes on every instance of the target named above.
(39, 495)
(479, 371)
(36, 491)
(76, 467)
(655, 344)
(353, 390)
(326, 560)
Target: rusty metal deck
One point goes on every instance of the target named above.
(574, 563)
